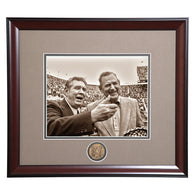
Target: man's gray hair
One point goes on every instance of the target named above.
(104, 74)
(70, 80)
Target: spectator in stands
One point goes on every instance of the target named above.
(63, 118)
(127, 115)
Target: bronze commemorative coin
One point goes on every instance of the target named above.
(96, 151)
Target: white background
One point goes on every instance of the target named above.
(100, 8)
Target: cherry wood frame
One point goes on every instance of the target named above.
(14, 25)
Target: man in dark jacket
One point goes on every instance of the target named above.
(63, 117)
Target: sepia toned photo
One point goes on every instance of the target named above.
(97, 95)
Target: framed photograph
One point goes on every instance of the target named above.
(97, 97)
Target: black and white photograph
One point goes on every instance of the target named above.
(104, 95)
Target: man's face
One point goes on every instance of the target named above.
(110, 86)
(76, 93)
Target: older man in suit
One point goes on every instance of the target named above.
(63, 117)
(127, 115)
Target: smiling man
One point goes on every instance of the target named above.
(63, 117)
(127, 115)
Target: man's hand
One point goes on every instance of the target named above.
(103, 111)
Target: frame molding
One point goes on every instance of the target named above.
(14, 25)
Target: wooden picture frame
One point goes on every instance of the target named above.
(14, 28)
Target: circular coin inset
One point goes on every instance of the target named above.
(96, 151)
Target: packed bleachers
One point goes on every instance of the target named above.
(56, 86)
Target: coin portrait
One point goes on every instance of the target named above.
(96, 151)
